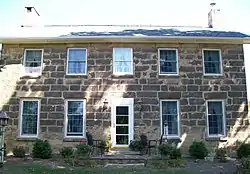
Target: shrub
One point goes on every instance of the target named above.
(221, 154)
(66, 152)
(166, 163)
(169, 151)
(42, 149)
(198, 150)
(243, 150)
(244, 165)
(139, 145)
(83, 150)
(19, 152)
(108, 145)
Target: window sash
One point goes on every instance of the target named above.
(33, 59)
(168, 61)
(215, 120)
(123, 60)
(77, 61)
(75, 118)
(29, 120)
(172, 117)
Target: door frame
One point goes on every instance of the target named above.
(122, 102)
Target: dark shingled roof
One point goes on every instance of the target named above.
(204, 32)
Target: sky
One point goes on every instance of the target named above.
(234, 14)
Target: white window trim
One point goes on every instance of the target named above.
(67, 64)
(177, 62)
(132, 62)
(178, 119)
(223, 119)
(66, 119)
(24, 60)
(21, 119)
(203, 60)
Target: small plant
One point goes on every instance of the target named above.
(42, 149)
(134, 145)
(102, 146)
(169, 151)
(66, 152)
(83, 150)
(198, 150)
(19, 152)
(243, 150)
(108, 145)
(139, 145)
(221, 154)
(244, 165)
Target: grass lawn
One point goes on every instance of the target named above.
(39, 169)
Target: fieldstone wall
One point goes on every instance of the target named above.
(190, 87)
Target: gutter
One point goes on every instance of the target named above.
(136, 39)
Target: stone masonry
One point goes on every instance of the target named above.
(191, 88)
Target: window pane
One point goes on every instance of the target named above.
(75, 118)
(168, 67)
(123, 67)
(33, 55)
(122, 54)
(121, 119)
(76, 67)
(170, 114)
(29, 117)
(121, 139)
(215, 124)
(121, 129)
(77, 55)
(212, 55)
(212, 67)
(215, 107)
(167, 55)
(122, 110)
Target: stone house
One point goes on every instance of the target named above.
(119, 85)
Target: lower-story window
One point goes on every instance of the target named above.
(215, 118)
(170, 117)
(29, 118)
(75, 118)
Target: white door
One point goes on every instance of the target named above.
(122, 131)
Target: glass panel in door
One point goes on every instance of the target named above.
(122, 125)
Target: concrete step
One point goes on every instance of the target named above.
(137, 165)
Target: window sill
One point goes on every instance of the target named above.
(219, 138)
(213, 75)
(27, 138)
(122, 75)
(174, 75)
(172, 139)
(75, 139)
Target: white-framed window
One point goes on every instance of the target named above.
(169, 111)
(33, 62)
(29, 118)
(212, 61)
(75, 115)
(122, 61)
(216, 118)
(168, 61)
(76, 61)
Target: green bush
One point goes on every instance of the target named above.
(42, 149)
(167, 163)
(83, 150)
(198, 150)
(244, 166)
(243, 150)
(221, 154)
(19, 152)
(169, 151)
(66, 152)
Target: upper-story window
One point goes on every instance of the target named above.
(168, 61)
(77, 61)
(212, 62)
(122, 61)
(33, 60)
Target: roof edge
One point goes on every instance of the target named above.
(137, 39)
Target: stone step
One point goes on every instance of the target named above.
(111, 165)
